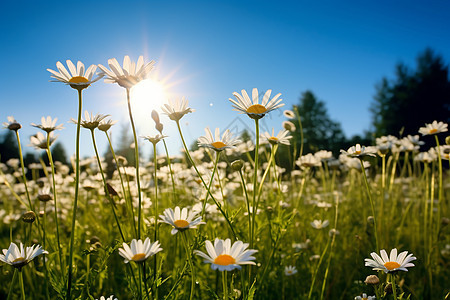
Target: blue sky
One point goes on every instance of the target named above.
(206, 50)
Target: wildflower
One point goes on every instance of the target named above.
(225, 257)
(290, 270)
(154, 139)
(158, 125)
(44, 194)
(139, 251)
(48, 125)
(289, 114)
(29, 217)
(308, 161)
(177, 109)
(181, 219)
(251, 107)
(79, 79)
(130, 74)
(365, 297)
(216, 143)
(282, 137)
(39, 141)
(319, 224)
(20, 256)
(109, 298)
(90, 121)
(392, 263)
(433, 128)
(106, 125)
(372, 279)
(289, 126)
(12, 124)
(324, 155)
(357, 151)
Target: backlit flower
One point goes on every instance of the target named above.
(433, 128)
(181, 219)
(215, 142)
(224, 257)
(154, 139)
(308, 161)
(18, 256)
(105, 125)
(130, 74)
(48, 125)
(177, 109)
(392, 263)
(319, 224)
(39, 141)
(91, 121)
(282, 137)
(12, 124)
(77, 78)
(139, 250)
(358, 151)
(251, 107)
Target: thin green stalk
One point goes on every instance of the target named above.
(191, 266)
(75, 201)
(170, 170)
(301, 131)
(21, 284)
(210, 183)
(136, 155)
(145, 281)
(441, 187)
(225, 285)
(108, 196)
(125, 194)
(317, 268)
(44, 223)
(12, 284)
(52, 166)
(203, 181)
(255, 180)
(155, 180)
(394, 288)
(247, 200)
(369, 194)
(24, 178)
(140, 283)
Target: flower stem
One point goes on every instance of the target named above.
(170, 170)
(189, 258)
(255, 180)
(225, 285)
(21, 284)
(136, 155)
(12, 284)
(155, 179)
(24, 178)
(75, 201)
(210, 183)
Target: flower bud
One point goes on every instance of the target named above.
(155, 116)
(29, 217)
(159, 127)
(372, 279)
(447, 140)
(237, 165)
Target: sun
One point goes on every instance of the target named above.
(147, 95)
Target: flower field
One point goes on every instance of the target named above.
(225, 221)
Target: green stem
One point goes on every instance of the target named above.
(136, 155)
(225, 285)
(363, 171)
(108, 196)
(24, 178)
(170, 169)
(52, 165)
(394, 288)
(12, 284)
(155, 179)
(210, 183)
(21, 284)
(255, 181)
(75, 201)
(317, 269)
(145, 281)
(247, 200)
(191, 266)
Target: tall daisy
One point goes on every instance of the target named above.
(78, 78)
(433, 128)
(252, 107)
(177, 109)
(181, 219)
(282, 137)
(139, 251)
(48, 124)
(391, 263)
(18, 256)
(216, 142)
(226, 257)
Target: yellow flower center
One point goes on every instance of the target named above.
(19, 259)
(78, 79)
(218, 144)
(434, 130)
(138, 257)
(391, 265)
(256, 109)
(181, 223)
(357, 152)
(273, 138)
(224, 260)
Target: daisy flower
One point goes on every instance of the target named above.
(130, 74)
(181, 219)
(288, 125)
(319, 224)
(106, 125)
(48, 125)
(216, 143)
(139, 251)
(392, 263)
(433, 128)
(251, 107)
(12, 124)
(39, 141)
(224, 257)
(177, 109)
(358, 151)
(109, 298)
(282, 137)
(77, 78)
(91, 121)
(290, 270)
(154, 139)
(18, 256)
(365, 297)
(308, 161)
